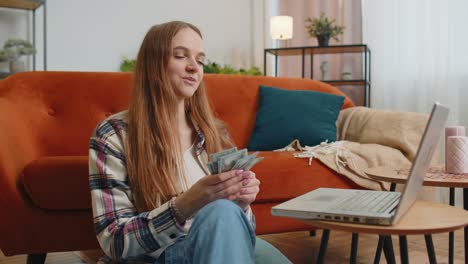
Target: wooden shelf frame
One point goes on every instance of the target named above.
(308, 50)
(21, 4)
(311, 51)
(32, 6)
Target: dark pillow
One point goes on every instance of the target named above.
(285, 115)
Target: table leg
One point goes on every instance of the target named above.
(323, 246)
(388, 250)
(354, 247)
(404, 250)
(451, 234)
(430, 249)
(36, 258)
(465, 205)
(276, 65)
(386, 242)
(378, 251)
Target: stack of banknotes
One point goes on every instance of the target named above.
(232, 159)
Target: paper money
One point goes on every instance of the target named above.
(241, 163)
(226, 162)
(232, 159)
(251, 164)
(217, 155)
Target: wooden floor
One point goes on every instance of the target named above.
(300, 248)
(54, 258)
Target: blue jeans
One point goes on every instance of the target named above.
(221, 233)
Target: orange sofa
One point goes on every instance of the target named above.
(46, 119)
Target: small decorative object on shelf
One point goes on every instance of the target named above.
(323, 29)
(345, 76)
(324, 70)
(13, 49)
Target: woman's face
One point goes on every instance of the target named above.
(185, 66)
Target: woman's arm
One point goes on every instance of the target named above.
(122, 232)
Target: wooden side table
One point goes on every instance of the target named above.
(437, 177)
(422, 218)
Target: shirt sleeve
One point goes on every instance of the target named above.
(123, 232)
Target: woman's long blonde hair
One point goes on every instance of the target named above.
(154, 155)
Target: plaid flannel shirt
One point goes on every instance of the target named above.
(125, 234)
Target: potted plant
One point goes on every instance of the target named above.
(13, 49)
(127, 65)
(323, 29)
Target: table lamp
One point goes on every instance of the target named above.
(281, 27)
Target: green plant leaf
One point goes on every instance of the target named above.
(15, 48)
(323, 26)
(128, 65)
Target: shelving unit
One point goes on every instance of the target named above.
(312, 51)
(32, 6)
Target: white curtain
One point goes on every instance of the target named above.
(419, 55)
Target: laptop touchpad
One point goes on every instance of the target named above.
(325, 198)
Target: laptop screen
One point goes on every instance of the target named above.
(421, 163)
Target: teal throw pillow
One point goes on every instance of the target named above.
(285, 115)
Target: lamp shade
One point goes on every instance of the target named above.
(281, 27)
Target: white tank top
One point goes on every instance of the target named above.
(193, 168)
(194, 171)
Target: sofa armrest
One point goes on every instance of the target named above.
(58, 183)
(17, 149)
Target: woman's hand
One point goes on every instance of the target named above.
(226, 185)
(249, 191)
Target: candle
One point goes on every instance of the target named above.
(452, 131)
(457, 155)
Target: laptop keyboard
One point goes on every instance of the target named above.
(375, 202)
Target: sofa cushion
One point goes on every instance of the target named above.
(285, 115)
(235, 99)
(283, 177)
(61, 183)
(58, 183)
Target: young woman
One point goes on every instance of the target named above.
(153, 198)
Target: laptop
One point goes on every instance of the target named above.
(367, 206)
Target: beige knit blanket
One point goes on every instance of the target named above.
(368, 138)
(399, 130)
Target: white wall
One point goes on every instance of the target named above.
(89, 35)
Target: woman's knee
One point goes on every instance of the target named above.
(222, 226)
(220, 208)
(266, 253)
(221, 213)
